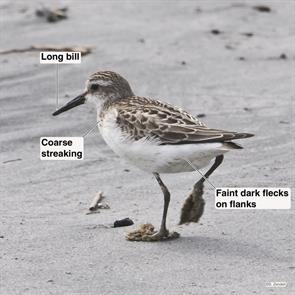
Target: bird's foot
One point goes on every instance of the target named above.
(161, 236)
(147, 233)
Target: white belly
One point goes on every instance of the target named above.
(151, 157)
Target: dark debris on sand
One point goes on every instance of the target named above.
(262, 8)
(52, 15)
(216, 32)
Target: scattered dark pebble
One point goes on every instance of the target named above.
(1, 237)
(52, 15)
(123, 222)
(283, 56)
(247, 34)
(262, 8)
(126, 170)
(141, 40)
(215, 32)
(284, 122)
(291, 267)
(241, 58)
(247, 109)
(50, 281)
(183, 63)
(202, 115)
(198, 10)
(68, 273)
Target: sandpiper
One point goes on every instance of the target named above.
(156, 137)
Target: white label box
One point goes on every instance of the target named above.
(60, 57)
(252, 198)
(61, 148)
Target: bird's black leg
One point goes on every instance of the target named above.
(146, 232)
(217, 162)
(163, 230)
(193, 207)
(163, 233)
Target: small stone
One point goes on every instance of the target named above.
(123, 222)
(248, 34)
(283, 56)
(215, 32)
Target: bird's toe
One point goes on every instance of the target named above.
(161, 236)
(147, 233)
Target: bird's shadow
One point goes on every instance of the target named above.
(226, 246)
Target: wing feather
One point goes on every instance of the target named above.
(143, 118)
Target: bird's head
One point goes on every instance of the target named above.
(100, 87)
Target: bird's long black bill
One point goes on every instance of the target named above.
(71, 104)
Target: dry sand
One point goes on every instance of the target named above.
(49, 246)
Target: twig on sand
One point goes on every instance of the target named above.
(83, 49)
(13, 160)
(97, 199)
(96, 204)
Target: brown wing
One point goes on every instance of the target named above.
(145, 118)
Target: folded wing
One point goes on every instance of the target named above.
(143, 118)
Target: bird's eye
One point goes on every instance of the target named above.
(94, 87)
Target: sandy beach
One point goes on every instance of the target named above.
(223, 59)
